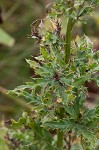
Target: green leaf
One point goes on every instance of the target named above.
(23, 87)
(33, 64)
(45, 53)
(81, 80)
(70, 110)
(19, 123)
(89, 116)
(41, 133)
(86, 11)
(78, 103)
(86, 134)
(62, 124)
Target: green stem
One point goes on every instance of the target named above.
(70, 24)
(60, 139)
(60, 133)
(68, 39)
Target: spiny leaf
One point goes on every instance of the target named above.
(87, 134)
(33, 64)
(86, 11)
(62, 124)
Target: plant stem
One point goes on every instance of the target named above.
(60, 133)
(70, 24)
(68, 39)
(60, 139)
(69, 142)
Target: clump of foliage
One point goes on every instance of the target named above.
(59, 118)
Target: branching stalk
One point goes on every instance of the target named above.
(68, 39)
(60, 135)
(70, 24)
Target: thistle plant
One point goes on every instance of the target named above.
(59, 119)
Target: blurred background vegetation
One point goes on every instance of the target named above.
(15, 19)
(16, 16)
